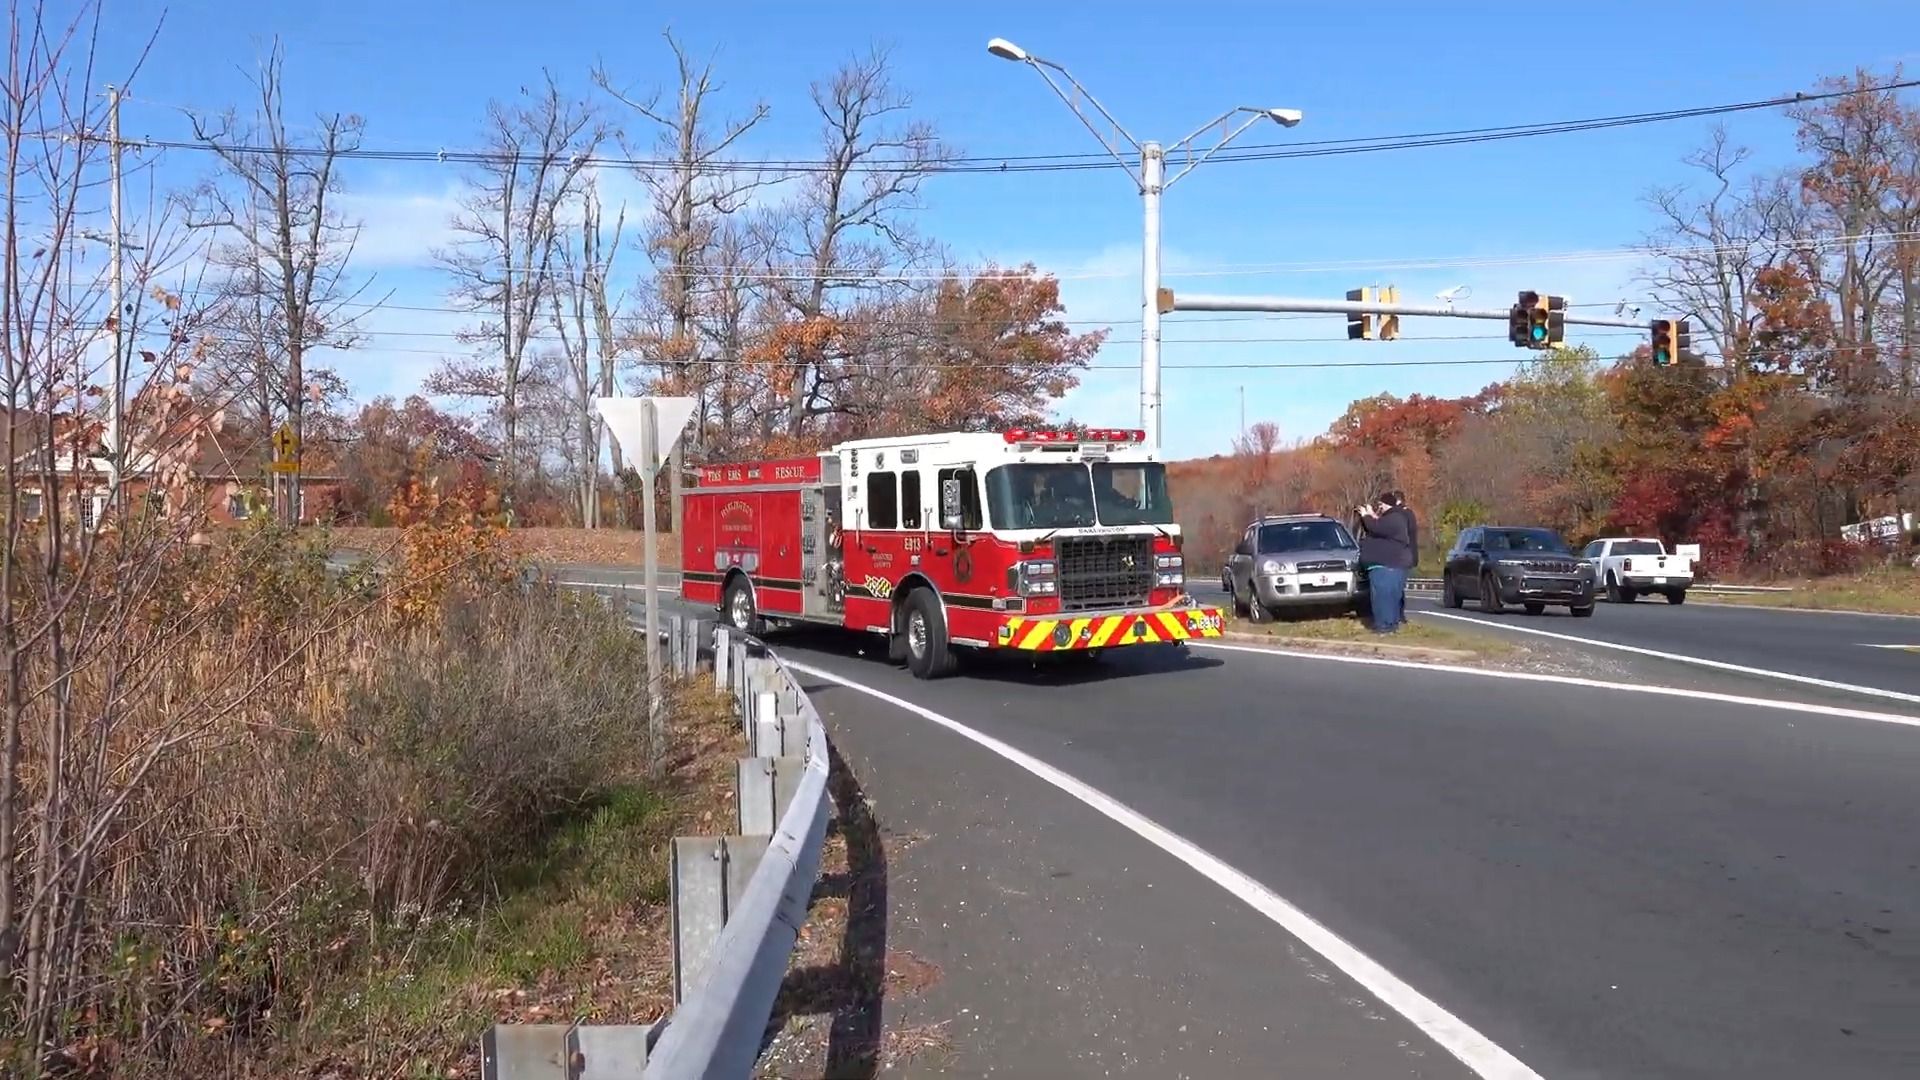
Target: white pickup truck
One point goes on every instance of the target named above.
(1628, 566)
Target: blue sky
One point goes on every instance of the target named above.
(421, 72)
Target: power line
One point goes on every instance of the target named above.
(1015, 163)
(853, 275)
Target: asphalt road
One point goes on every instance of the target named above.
(1039, 938)
(1836, 647)
(1605, 884)
(1833, 646)
(1602, 882)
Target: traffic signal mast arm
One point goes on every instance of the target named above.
(1289, 304)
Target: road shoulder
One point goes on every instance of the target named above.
(1023, 933)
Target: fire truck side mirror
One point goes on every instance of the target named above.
(950, 518)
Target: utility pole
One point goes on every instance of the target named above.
(116, 452)
(1243, 409)
(1151, 178)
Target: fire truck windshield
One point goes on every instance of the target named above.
(1067, 496)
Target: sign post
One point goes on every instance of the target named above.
(648, 429)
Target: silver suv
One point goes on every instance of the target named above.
(1293, 561)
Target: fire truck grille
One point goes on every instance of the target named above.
(1104, 571)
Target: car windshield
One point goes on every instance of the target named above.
(1304, 536)
(1064, 496)
(1525, 540)
(1638, 547)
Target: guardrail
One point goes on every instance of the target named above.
(1432, 584)
(738, 901)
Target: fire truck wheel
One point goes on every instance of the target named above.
(925, 628)
(739, 609)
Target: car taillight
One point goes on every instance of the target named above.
(1627, 565)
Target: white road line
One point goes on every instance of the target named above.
(1574, 680)
(1476, 1051)
(1682, 658)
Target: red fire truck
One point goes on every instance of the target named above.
(1043, 541)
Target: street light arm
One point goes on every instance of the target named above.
(1186, 145)
(1131, 164)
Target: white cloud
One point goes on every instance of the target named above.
(400, 228)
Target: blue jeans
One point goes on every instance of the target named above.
(1388, 586)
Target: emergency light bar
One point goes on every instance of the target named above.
(1020, 435)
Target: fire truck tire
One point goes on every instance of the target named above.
(924, 625)
(737, 608)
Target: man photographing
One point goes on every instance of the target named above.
(1387, 553)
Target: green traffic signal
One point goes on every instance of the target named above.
(1539, 333)
(1662, 342)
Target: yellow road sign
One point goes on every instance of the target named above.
(286, 445)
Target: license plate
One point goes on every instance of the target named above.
(1324, 579)
(1659, 581)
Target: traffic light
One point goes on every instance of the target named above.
(1663, 353)
(1359, 323)
(1682, 340)
(1517, 322)
(1529, 322)
(1389, 323)
(1556, 320)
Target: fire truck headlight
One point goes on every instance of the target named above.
(1169, 570)
(1036, 578)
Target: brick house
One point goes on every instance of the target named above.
(229, 468)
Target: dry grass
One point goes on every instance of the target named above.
(1888, 590)
(1350, 631)
(344, 823)
(579, 931)
(552, 547)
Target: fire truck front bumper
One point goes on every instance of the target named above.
(1108, 629)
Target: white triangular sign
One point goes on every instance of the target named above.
(622, 415)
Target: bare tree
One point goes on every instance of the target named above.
(848, 220)
(503, 266)
(287, 251)
(694, 188)
(1712, 246)
(585, 313)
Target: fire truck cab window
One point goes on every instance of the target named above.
(969, 496)
(910, 500)
(1132, 493)
(883, 501)
(1040, 497)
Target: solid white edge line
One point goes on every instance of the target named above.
(1575, 680)
(1479, 1053)
(1680, 658)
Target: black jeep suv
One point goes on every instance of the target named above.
(1499, 565)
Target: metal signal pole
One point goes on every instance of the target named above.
(1150, 176)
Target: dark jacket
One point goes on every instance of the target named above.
(1388, 539)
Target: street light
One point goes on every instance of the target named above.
(1150, 177)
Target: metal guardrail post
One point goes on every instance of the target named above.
(697, 895)
(722, 657)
